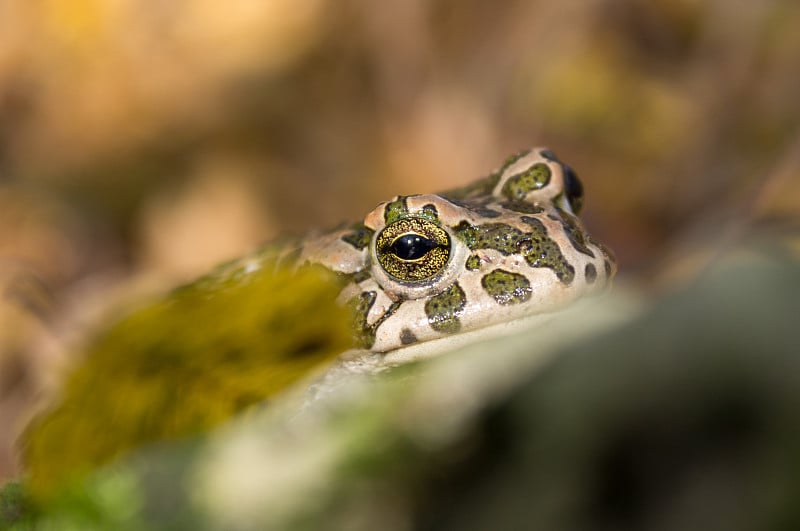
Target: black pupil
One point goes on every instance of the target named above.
(412, 246)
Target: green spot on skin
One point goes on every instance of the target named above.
(355, 278)
(514, 158)
(485, 186)
(430, 213)
(522, 206)
(540, 251)
(506, 287)
(590, 273)
(360, 306)
(476, 206)
(535, 246)
(395, 210)
(497, 236)
(361, 276)
(443, 309)
(407, 337)
(359, 237)
(549, 155)
(473, 263)
(577, 237)
(534, 178)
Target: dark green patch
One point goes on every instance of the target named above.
(388, 313)
(608, 254)
(231, 341)
(549, 155)
(15, 507)
(590, 273)
(407, 337)
(365, 334)
(473, 263)
(577, 237)
(429, 212)
(395, 210)
(357, 277)
(498, 236)
(359, 237)
(360, 306)
(514, 158)
(544, 252)
(537, 248)
(534, 178)
(485, 186)
(523, 207)
(398, 209)
(476, 205)
(507, 287)
(361, 276)
(443, 309)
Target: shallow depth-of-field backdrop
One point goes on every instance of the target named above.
(141, 142)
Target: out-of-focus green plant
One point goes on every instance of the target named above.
(13, 504)
(189, 362)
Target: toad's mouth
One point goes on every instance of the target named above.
(435, 347)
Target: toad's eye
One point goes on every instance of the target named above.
(413, 249)
(412, 246)
(573, 188)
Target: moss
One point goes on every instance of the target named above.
(187, 363)
(15, 507)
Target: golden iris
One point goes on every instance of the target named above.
(413, 249)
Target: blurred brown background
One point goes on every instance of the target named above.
(141, 142)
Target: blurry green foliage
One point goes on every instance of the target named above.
(14, 507)
(189, 362)
(681, 117)
(682, 418)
